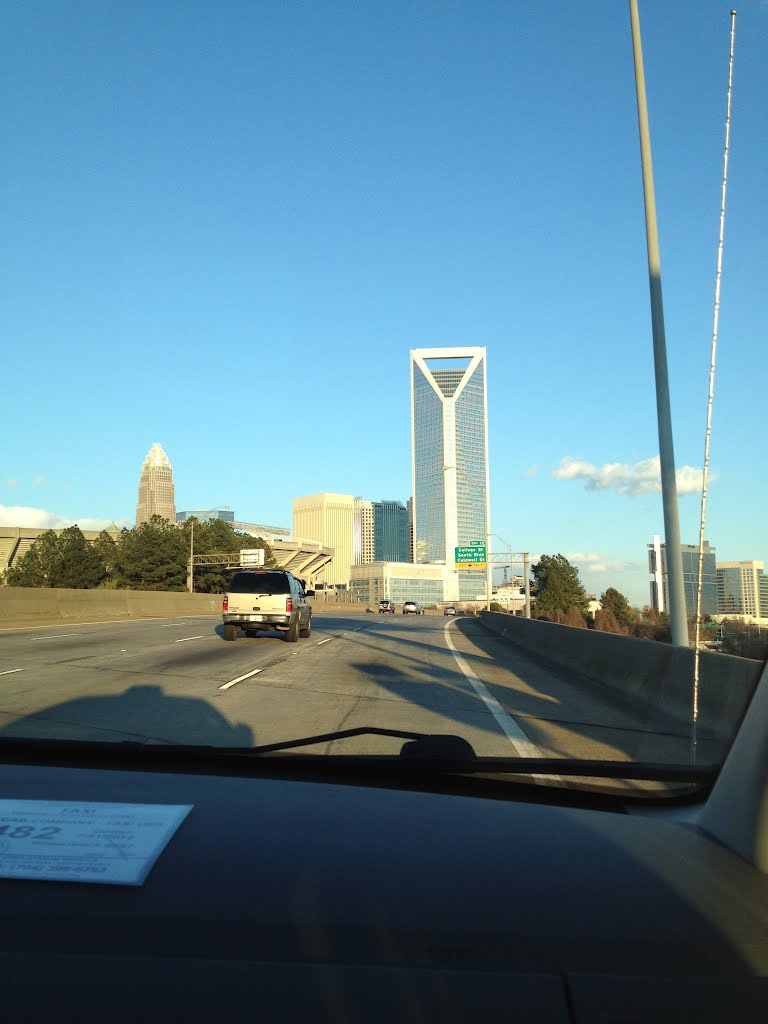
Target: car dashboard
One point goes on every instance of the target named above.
(294, 899)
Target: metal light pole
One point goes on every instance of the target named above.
(677, 613)
(526, 571)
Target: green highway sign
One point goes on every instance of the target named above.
(471, 557)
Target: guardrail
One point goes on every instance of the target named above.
(20, 606)
(656, 677)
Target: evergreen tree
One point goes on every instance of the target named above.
(614, 601)
(79, 566)
(557, 586)
(39, 567)
(153, 556)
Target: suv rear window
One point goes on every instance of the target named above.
(259, 583)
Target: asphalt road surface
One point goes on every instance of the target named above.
(177, 681)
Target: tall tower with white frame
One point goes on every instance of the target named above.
(449, 445)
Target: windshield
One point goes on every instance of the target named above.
(340, 214)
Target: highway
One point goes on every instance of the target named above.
(177, 681)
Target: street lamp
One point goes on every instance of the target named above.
(191, 574)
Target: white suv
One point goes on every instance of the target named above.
(262, 599)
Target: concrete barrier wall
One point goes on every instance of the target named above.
(29, 606)
(21, 606)
(656, 677)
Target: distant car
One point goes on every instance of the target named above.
(387, 606)
(412, 608)
(450, 610)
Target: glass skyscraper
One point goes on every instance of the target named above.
(449, 439)
(390, 532)
(657, 566)
(156, 488)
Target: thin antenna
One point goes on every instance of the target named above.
(705, 474)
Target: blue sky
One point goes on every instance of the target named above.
(214, 213)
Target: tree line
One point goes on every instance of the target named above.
(153, 556)
(560, 597)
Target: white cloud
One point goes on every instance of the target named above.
(38, 481)
(11, 483)
(40, 519)
(643, 477)
(591, 562)
(532, 470)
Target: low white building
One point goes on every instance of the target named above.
(402, 581)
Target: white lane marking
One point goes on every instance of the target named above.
(55, 636)
(184, 638)
(508, 725)
(10, 671)
(326, 641)
(239, 679)
(104, 622)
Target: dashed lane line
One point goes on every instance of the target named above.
(185, 638)
(10, 671)
(54, 636)
(239, 679)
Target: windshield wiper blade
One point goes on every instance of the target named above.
(446, 752)
(425, 755)
(422, 745)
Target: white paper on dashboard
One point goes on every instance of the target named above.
(71, 841)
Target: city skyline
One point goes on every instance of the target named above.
(729, 587)
(335, 187)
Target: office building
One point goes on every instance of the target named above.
(742, 589)
(449, 443)
(409, 508)
(390, 532)
(657, 566)
(402, 581)
(363, 532)
(205, 515)
(155, 488)
(328, 519)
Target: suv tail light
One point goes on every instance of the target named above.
(289, 604)
(225, 603)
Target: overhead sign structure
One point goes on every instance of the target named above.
(471, 557)
(252, 556)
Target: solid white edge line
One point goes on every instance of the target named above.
(56, 636)
(10, 671)
(184, 638)
(522, 744)
(239, 679)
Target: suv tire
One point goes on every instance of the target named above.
(307, 631)
(292, 633)
(230, 631)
